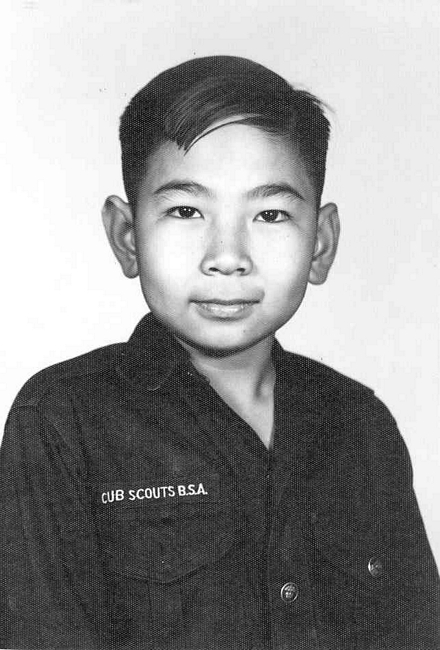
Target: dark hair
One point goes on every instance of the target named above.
(182, 102)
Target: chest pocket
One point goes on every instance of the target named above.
(165, 559)
(366, 568)
(165, 543)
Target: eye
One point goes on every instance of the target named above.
(272, 216)
(184, 212)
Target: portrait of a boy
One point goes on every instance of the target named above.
(200, 487)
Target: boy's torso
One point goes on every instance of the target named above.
(207, 539)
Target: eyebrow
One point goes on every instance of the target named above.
(260, 192)
(274, 189)
(189, 187)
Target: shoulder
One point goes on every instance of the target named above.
(351, 412)
(324, 377)
(356, 439)
(89, 368)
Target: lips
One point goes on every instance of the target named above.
(219, 301)
(235, 308)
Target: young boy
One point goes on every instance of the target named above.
(198, 487)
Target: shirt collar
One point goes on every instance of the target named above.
(153, 355)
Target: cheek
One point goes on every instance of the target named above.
(286, 260)
(165, 260)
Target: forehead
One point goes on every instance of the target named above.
(230, 157)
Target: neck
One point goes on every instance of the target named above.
(251, 369)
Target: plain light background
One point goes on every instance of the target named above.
(68, 70)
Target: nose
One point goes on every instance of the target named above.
(227, 252)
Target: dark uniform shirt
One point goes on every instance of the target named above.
(139, 511)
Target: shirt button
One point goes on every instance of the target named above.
(375, 567)
(289, 592)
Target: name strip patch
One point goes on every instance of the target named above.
(160, 492)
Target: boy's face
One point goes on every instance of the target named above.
(225, 238)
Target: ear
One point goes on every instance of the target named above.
(119, 226)
(326, 243)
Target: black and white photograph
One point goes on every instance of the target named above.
(221, 347)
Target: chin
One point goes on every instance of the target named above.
(220, 346)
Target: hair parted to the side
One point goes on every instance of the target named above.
(182, 102)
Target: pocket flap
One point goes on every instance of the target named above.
(365, 555)
(166, 543)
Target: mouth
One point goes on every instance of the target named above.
(225, 309)
(235, 301)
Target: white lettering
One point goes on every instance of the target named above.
(157, 492)
(201, 489)
(119, 495)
